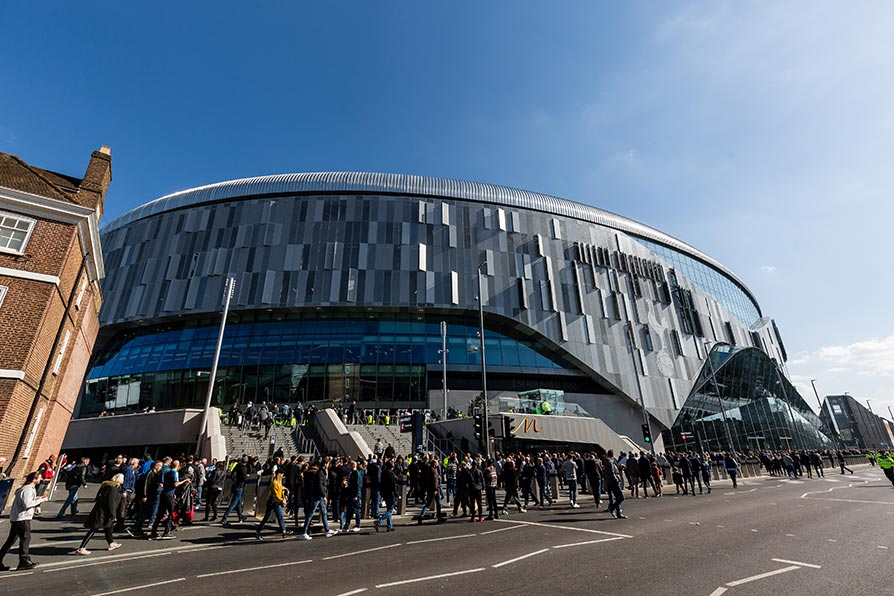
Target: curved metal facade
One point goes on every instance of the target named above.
(367, 182)
(573, 281)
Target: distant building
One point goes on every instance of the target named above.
(856, 425)
(50, 267)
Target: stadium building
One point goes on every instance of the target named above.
(343, 280)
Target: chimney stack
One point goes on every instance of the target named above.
(96, 179)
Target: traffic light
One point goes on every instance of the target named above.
(647, 434)
(479, 426)
(508, 424)
(491, 430)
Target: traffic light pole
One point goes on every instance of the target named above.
(483, 363)
(647, 426)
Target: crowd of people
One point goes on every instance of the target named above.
(150, 498)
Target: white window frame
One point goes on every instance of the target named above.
(58, 365)
(31, 225)
(3, 291)
(81, 292)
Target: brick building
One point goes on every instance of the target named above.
(50, 270)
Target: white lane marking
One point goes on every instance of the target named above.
(669, 520)
(427, 578)
(880, 546)
(360, 552)
(790, 535)
(754, 578)
(718, 591)
(811, 565)
(352, 592)
(440, 539)
(228, 572)
(9, 575)
(189, 547)
(721, 526)
(753, 530)
(517, 559)
(502, 530)
(528, 523)
(170, 581)
(93, 564)
(589, 542)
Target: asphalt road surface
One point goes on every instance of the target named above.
(770, 536)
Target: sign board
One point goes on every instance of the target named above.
(406, 423)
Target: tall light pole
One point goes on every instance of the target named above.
(890, 413)
(229, 289)
(870, 406)
(483, 361)
(443, 352)
(642, 402)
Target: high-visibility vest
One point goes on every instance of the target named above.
(885, 462)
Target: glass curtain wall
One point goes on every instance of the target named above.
(741, 399)
(274, 357)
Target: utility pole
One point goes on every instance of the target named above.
(483, 361)
(229, 289)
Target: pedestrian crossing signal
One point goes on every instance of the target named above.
(479, 426)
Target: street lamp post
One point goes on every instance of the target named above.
(443, 352)
(483, 361)
(870, 407)
(229, 289)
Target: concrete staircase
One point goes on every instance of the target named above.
(253, 441)
(402, 442)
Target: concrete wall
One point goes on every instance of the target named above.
(336, 436)
(127, 430)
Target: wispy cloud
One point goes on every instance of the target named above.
(869, 357)
(768, 268)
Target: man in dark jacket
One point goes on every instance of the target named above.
(593, 472)
(147, 497)
(388, 492)
(373, 472)
(75, 478)
(319, 491)
(213, 487)
(431, 484)
(686, 472)
(476, 485)
(239, 476)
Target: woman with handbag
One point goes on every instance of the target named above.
(103, 515)
(275, 503)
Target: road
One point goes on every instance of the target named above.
(770, 536)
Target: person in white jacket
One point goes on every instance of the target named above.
(23, 505)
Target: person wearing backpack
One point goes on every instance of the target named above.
(213, 488)
(75, 479)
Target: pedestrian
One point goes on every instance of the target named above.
(319, 491)
(351, 499)
(886, 463)
(732, 467)
(128, 486)
(104, 513)
(388, 492)
(593, 471)
(213, 488)
(841, 463)
(510, 486)
(431, 483)
(612, 476)
(75, 479)
(23, 505)
(677, 477)
(569, 468)
(686, 471)
(239, 475)
(170, 481)
(491, 479)
(476, 485)
(275, 503)
(657, 480)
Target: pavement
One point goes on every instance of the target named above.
(825, 536)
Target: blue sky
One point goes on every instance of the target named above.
(762, 133)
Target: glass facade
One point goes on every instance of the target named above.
(715, 283)
(275, 357)
(741, 397)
